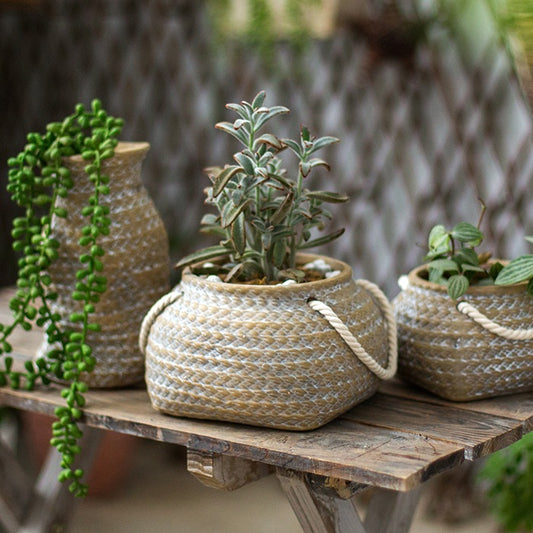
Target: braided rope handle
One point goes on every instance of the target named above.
(486, 323)
(338, 325)
(153, 313)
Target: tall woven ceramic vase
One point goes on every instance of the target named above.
(479, 347)
(268, 355)
(136, 264)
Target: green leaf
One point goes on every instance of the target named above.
(322, 240)
(444, 265)
(202, 255)
(246, 163)
(283, 209)
(227, 127)
(316, 162)
(529, 238)
(279, 251)
(471, 268)
(495, 269)
(230, 212)
(439, 239)
(518, 270)
(294, 146)
(259, 99)
(322, 142)
(467, 255)
(270, 140)
(271, 113)
(329, 197)
(223, 177)
(465, 232)
(457, 286)
(238, 234)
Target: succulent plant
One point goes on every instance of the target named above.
(265, 215)
(38, 178)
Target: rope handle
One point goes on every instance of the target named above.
(486, 323)
(153, 313)
(338, 325)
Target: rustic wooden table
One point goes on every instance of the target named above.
(393, 442)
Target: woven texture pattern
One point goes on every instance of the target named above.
(135, 263)
(260, 355)
(447, 353)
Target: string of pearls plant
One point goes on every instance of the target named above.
(37, 179)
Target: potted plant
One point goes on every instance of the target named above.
(464, 320)
(93, 256)
(242, 337)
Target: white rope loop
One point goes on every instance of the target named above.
(338, 325)
(486, 323)
(152, 314)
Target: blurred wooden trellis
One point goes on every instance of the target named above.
(426, 129)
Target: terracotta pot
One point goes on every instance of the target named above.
(259, 354)
(136, 264)
(446, 352)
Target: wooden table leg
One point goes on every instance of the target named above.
(390, 511)
(320, 510)
(36, 507)
(224, 472)
(16, 490)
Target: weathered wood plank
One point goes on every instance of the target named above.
(479, 433)
(342, 449)
(515, 406)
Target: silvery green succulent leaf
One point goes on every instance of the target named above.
(239, 134)
(319, 241)
(222, 178)
(326, 196)
(322, 142)
(202, 255)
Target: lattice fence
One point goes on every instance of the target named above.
(421, 139)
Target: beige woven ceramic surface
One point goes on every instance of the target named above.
(259, 354)
(449, 354)
(136, 264)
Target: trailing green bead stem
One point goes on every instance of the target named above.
(37, 179)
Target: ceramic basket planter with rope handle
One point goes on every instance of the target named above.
(476, 347)
(288, 357)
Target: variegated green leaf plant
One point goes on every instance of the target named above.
(452, 261)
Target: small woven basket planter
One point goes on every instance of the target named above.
(136, 264)
(266, 355)
(478, 347)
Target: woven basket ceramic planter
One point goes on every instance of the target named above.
(136, 264)
(261, 355)
(460, 350)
